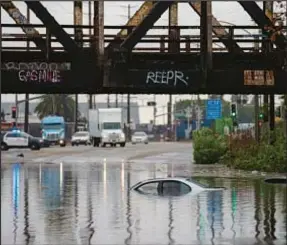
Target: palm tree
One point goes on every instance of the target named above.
(57, 104)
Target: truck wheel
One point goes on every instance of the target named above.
(72, 144)
(123, 144)
(4, 147)
(63, 145)
(103, 145)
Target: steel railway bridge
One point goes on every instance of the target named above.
(173, 63)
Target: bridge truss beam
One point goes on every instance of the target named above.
(221, 33)
(262, 20)
(19, 18)
(148, 21)
(49, 21)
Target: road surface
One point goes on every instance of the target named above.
(89, 154)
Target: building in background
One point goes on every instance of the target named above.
(83, 108)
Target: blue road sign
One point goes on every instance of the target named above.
(213, 109)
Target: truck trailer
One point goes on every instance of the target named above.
(106, 127)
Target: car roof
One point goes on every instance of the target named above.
(180, 179)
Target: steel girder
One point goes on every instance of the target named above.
(221, 33)
(135, 20)
(146, 7)
(157, 10)
(19, 18)
(262, 20)
(49, 21)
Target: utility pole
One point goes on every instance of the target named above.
(117, 101)
(108, 101)
(17, 109)
(26, 113)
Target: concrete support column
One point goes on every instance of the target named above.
(98, 38)
(173, 47)
(78, 20)
(268, 9)
(206, 39)
(26, 113)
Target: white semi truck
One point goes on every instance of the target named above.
(106, 127)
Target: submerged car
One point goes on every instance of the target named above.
(139, 137)
(81, 138)
(171, 187)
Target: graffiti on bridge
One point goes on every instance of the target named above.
(38, 71)
(169, 77)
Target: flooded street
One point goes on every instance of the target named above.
(89, 203)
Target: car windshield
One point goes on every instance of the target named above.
(52, 126)
(139, 134)
(81, 134)
(111, 125)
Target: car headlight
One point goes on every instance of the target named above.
(105, 135)
(61, 141)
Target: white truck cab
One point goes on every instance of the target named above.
(106, 127)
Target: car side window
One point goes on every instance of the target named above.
(175, 188)
(11, 135)
(22, 135)
(149, 188)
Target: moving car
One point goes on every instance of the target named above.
(81, 138)
(18, 139)
(139, 137)
(171, 187)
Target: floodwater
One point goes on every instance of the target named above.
(91, 204)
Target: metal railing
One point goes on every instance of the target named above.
(188, 37)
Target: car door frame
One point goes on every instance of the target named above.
(10, 143)
(159, 187)
(25, 140)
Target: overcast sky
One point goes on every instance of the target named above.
(116, 14)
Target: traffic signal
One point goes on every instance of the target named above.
(14, 112)
(233, 110)
(261, 116)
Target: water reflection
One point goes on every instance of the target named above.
(90, 204)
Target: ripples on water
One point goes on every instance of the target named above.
(90, 204)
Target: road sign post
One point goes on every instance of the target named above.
(213, 109)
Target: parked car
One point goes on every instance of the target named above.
(18, 139)
(44, 142)
(81, 138)
(139, 138)
(171, 187)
